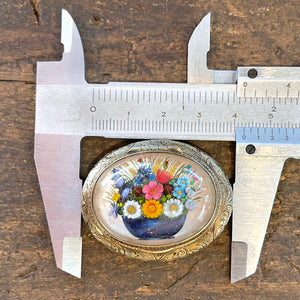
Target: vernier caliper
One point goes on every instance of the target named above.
(258, 107)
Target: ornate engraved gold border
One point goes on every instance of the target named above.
(190, 245)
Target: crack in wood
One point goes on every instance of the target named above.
(27, 271)
(183, 276)
(16, 81)
(36, 11)
(294, 265)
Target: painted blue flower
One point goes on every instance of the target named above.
(138, 179)
(143, 166)
(113, 211)
(145, 169)
(151, 176)
(116, 176)
(120, 183)
(143, 173)
(125, 193)
(179, 192)
(190, 204)
(182, 181)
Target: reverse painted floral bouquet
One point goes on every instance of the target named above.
(162, 189)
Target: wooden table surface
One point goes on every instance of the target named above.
(136, 41)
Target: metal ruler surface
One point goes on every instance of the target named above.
(152, 110)
(210, 106)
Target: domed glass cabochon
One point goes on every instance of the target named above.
(156, 199)
(178, 184)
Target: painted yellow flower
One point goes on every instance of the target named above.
(152, 209)
(116, 197)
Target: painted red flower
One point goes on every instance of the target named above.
(163, 176)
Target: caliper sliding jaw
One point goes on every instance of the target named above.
(260, 152)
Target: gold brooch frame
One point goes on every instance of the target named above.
(170, 251)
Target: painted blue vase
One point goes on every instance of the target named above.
(148, 229)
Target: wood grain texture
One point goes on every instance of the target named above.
(135, 41)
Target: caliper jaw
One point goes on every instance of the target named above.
(70, 70)
(263, 158)
(57, 158)
(57, 152)
(198, 47)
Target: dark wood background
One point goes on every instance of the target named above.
(136, 41)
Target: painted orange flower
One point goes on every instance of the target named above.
(152, 209)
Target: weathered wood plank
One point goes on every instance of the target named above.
(135, 41)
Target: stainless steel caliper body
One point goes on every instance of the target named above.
(212, 105)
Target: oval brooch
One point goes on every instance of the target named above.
(156, 200)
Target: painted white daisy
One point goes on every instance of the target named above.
(132, 209)
(173, 208)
